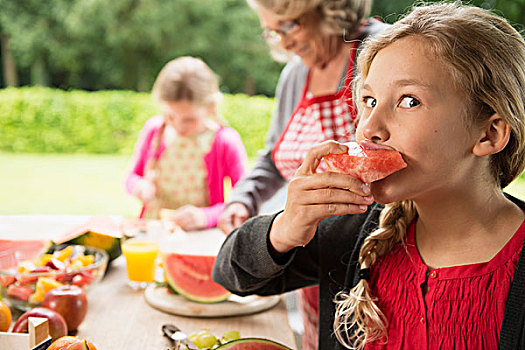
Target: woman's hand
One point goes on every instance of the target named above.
(189, 217)
(314, 196)
(145, 191)
(234, 216)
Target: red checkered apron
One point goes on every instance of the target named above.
(315, 119)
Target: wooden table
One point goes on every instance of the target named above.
(119, 317)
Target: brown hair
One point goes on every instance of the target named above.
(486, 58)
(187, 78)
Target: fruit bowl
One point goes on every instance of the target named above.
(25, 282)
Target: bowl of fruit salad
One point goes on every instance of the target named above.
(24, 282)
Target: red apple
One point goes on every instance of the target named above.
(57, 324)
(69, 301)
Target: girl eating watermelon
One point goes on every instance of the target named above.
(437, 261)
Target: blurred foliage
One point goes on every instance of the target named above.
(122, 44)
(514, 10)
(45, 120)
(99, 44)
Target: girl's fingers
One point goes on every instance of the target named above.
(333, 209)
(332, 195)
(330, 180)
(316, 153)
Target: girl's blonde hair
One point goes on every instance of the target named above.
(187, 78)
(486, 58)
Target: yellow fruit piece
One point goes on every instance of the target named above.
(26, 266)
(5, 317)
(86, 260)
(76, 264)
(63, 254)
(43, 260)
(35, 299)
(44, 285)
(97, 240)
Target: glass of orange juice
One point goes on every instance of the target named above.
(141, 254)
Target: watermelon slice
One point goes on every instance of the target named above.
(188, 261)
(26, 249)
(190, 276)
(368, 162)
(253, 344)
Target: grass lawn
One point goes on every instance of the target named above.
(80, 184)
(65, 184)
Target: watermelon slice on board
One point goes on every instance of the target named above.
(190, 276)
(188, 260)
(253, 344)
(368, 163)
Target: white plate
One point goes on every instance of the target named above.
(160, 299)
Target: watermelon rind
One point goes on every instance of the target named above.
(195, 298)
(234, 344)
(200, 299)
(93, 239)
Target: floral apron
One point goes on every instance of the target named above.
(315, 119)
(180, 172)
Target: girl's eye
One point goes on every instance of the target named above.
(370, 102)
(409, 102)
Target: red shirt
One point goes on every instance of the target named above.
(463, 307)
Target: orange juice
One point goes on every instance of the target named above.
(140, 259)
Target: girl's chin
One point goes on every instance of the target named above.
(385, 195)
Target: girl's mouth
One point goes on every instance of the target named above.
(367, 144)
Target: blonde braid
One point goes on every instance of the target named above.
(358, 320)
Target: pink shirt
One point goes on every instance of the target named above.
(227, 158)
(463, 307)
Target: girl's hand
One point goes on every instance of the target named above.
(189, 218)
(145, 190)
(234, 216)
(314, 196)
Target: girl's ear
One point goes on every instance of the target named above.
(494, 136)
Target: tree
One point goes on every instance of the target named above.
(98, 44)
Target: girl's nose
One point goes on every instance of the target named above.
(373, 126)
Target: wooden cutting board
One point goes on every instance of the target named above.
(160, 299)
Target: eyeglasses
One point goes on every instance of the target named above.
(274, 36)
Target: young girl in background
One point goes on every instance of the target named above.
(438, 267)
(183, 156)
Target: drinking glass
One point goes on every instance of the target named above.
(140, 251)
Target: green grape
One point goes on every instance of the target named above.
(207, 341)
(203, 332)
(231, 335)
(193, 337)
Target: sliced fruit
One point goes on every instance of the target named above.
(368, 163)
(190, 276)
(19, 292)
(5, 317)
(98, 232)
(63, 254)
(253, 344)
(43, 286)
(85, 260)
(25, 249)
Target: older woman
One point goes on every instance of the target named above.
(314, 101)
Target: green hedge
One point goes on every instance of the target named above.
(43, 120)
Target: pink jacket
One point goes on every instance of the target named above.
(227, 158)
